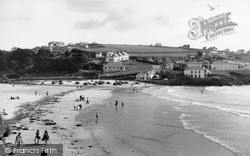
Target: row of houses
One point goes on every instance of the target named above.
(193, 72)
(213, 54)
(116, 57)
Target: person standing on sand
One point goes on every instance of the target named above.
(45, 137)
(47, 93)
(18, 140)
(116, 103)
(87, 102)
(37, 137)
(74, 108)
(96, 115)
(35, 92)
(122, 104)
(80, 107)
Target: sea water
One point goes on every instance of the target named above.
(221, 114)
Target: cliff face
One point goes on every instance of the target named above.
(229, 80)
(243, 76)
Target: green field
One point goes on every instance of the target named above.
(143, 50)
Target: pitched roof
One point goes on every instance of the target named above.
(195, 68)
(114, 64)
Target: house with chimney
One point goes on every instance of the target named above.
(145, 76)
(113, 67)
(116, 57)
(196, 72)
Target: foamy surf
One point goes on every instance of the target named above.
(231, 128)
(187, 125)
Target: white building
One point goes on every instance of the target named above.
(56, 44)
(213, 54)
(116, 57)
(197, 72)
(98, 55)
(145, 76)
(240, 51)
(207, 65)
(113, 67)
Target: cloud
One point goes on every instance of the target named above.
(89, 24)
(89, 6)
(107, 12)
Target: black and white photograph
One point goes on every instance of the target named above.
(124, 78)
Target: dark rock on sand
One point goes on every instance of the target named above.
(49, 122)
(25, 128)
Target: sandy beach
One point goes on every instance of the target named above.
(59, 107)
(26, 93)
(144, 126)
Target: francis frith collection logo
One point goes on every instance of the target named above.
(211, 28)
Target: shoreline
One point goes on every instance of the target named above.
(109, 143)
(77, 139)
(32, 115)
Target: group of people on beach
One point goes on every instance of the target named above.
(4, 113)
(81, 98)
(36, 93)
(116, 104)
(12, 98)
(78, 106)
(45, 138)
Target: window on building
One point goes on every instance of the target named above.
(199, 76)
(191, 71)
(199, 71)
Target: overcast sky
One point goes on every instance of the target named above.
(30, 23)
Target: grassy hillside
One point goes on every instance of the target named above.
(143, 50)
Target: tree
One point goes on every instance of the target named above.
(20, 59)
(158, 45)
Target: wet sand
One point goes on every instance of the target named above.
(145, 126)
